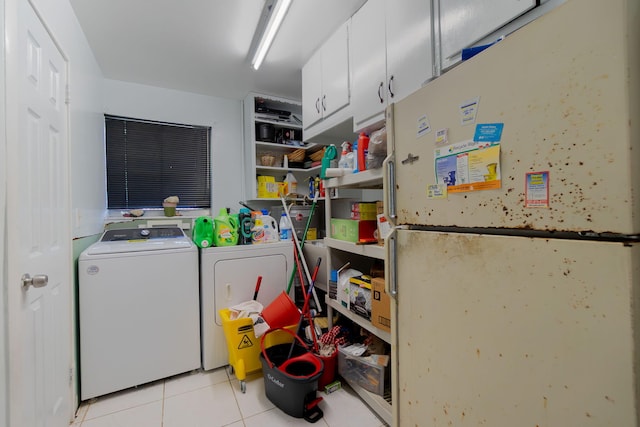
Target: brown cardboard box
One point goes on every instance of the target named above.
(380, 305)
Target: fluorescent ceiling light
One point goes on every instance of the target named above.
(279, 10)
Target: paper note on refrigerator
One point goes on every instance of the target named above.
(468, 166)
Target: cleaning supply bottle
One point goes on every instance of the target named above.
(355, 159)
(245, 224)
(363, 147)
(265, 229)
(202, 234)
(285, 227)
(225, 229)
(312, 187)
(346, 158)
(292, 183)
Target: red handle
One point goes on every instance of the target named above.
(255, 294)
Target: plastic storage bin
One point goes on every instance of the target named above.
(358, 370)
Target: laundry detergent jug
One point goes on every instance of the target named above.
(265, 229)
(244, 223)
(202, 234)
(225, 229)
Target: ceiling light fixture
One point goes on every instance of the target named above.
(278, 11)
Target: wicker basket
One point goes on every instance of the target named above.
(297, 155)
(318, 155)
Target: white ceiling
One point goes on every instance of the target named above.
(202, 46)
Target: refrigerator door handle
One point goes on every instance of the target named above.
(389, 188)
(391, 279)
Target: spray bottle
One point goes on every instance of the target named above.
(346, 158)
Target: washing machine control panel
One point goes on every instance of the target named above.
(142, 233)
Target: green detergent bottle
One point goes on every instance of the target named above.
(225, 229)
(202, 234)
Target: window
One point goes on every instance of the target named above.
(148, 161)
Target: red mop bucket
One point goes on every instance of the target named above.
(290, 383)
(281, 312)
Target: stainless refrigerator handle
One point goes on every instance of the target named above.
(391, 280)
(391, 188)
(388, 195)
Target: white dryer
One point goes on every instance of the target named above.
(228, 276)
(138, 309)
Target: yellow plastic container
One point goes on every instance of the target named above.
(244, 347)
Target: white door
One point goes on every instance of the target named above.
(464, 22)
(512, 331)
(367, 53)
(312, 90)
(38, 217)
(335, 71)
(409, 47)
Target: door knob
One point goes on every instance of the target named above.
(37, 281)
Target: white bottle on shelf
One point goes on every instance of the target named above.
(292, 183)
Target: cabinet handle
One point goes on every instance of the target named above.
(318, 102)
(390, 91)
(380, 92)
(324, 102)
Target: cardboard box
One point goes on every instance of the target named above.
(363, 211)
(267, 189)
(362, 207)
(352, 230)
(367, 216)
(380, 305)
(360, 298)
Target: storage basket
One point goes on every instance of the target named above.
(291, 383)
(318, 155)
(296, 155)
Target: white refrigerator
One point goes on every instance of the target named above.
(514, 264)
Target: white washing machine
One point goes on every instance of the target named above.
(138, 309)
(228, 276)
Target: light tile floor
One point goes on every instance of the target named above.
(213, 399)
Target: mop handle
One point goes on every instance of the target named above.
(255, 294)
(305, 310)
(304, 261)
(304, 237)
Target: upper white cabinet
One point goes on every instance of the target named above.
(325, 79)
(464, 22)
(391, 55)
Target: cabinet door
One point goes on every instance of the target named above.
(463, 22)
(409, 47)
(312, 90)
(335, 72)
(368, 63)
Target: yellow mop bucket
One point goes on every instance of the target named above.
(244, 347)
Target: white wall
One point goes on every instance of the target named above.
(223, 115)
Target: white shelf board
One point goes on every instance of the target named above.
(372, 250)
(281, 169)
(371, 178)
(366, 324)
(283, 147)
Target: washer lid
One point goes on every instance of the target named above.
(140, 239)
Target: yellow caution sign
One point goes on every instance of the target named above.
(245, 342)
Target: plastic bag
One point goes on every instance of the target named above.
(377, 150)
